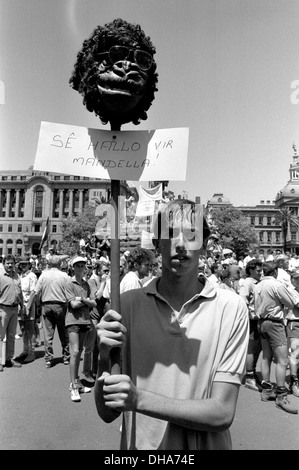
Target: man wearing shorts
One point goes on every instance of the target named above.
(270, 298)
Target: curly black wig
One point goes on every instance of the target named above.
(86, 69)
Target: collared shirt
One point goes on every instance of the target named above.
(51, 285)
(81, 315)
(271, 297)
(10, 289)
(180, 354)
(246, 292)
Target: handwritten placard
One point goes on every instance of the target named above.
(120, 155)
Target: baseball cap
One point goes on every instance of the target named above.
(79, 259)
(226, 251)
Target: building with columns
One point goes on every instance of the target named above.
(28, 198)
(265, 217)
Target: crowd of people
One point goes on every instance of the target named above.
(254, 315)
(69, 294)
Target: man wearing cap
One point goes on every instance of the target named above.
(80, 301)
(11, 299)
(271, 298)
(292, 330)
(50, 290)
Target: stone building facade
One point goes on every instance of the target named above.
(29, 197)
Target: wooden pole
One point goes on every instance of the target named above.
(115, 257)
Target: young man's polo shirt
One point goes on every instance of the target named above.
(81, 315)
(180, 355)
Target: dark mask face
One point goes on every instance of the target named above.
(121, 86)
(116, 73)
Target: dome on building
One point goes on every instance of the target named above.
(290, 190)
(219, 200)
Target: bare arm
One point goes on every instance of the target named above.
(116, 393)
(213, 414)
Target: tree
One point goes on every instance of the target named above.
(76, 227)
(233, 228)
(287, 220)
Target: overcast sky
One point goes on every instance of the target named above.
(225, 71)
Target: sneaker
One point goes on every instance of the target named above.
(75, 396)
(295, 388)
(268, 394)
(48, 364)
(88, 378)
(81, 387)
(18, 336)
(252, 385)
(283, 403)
(12, 363)
(66, 362)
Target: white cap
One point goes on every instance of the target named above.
(79, 259)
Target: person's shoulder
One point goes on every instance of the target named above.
(135, 293)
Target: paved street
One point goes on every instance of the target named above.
(36, 413)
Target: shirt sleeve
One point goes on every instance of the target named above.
(69, 291)
(231, 367)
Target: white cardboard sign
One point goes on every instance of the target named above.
(159, 154)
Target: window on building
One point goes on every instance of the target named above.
(293, 236)
(252, 220)
(19, 227)
(268, 220)
(261, 236)
(1, 228)
(269, 237)
(1, 241)
(38, 201)
(36, 227)
(57, 178)
(10, 228)
(19, 251)
(76, 178)
(66, 178)
(277, 237)
(9, 241)
(4, 178)
(19, 242)
(23, 178)
(54, 228)
(13, 178)
(260, 220)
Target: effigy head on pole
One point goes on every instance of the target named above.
(115, 72)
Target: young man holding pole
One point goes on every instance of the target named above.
(183, 346)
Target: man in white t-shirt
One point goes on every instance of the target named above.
(139, 264)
